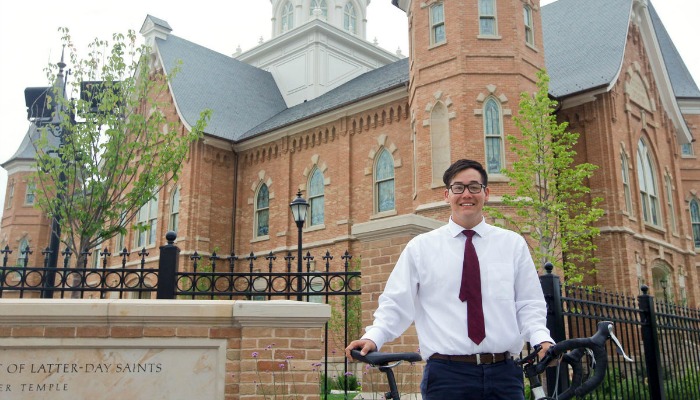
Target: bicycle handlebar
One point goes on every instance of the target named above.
(572, 351)
(377, 358)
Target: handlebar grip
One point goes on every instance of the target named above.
(378, 358)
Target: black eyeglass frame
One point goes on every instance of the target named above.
(468, 187)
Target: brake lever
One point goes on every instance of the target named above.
(620, 350)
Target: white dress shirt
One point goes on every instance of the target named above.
(424, 287)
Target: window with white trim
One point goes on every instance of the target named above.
(320, 4)
(669, 202)
(695, 221)
(30, 196)
(174, 220)
(147, 220)
(384, 182)
(287, 17)
(626, 183)
(487, 18)
(529, 26)
(493, 136)
(648, 185)
(437, 23)
(262, 211)
(350, 18)
(316, 198)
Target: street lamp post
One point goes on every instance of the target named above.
(41, 113)
(664, 286)
(299, 208)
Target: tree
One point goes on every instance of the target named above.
(551, 201)
(118, 149)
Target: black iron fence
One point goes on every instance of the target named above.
(329, 280)
(104, 275)
(662, 338)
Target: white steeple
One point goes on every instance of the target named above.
(316, 45)
(347, 15)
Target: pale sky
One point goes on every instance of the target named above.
(29, 38)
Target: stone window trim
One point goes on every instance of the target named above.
(493, 94)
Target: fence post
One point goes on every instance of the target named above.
(167, 267)
(650, 339)
(551, 287)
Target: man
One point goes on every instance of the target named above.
(473, 292)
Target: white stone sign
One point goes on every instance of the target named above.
(170, 368)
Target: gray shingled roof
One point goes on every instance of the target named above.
(240, 96)
(681, 80)
(26, 150)
(366, 85)
(584, 43)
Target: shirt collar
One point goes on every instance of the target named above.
(455, 229)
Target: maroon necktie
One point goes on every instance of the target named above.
(470, 291)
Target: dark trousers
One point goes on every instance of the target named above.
(463, 381)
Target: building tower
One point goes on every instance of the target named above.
(468, 66)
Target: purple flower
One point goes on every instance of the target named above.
(282, 366)
(290, 357)
(348, 373)
(255, 354)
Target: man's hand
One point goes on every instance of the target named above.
(543, 351)
(365, 346)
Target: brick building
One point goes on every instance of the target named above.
(365, 134)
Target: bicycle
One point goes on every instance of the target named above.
(569, 353)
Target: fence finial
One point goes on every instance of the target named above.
(170, 237)
(645, 289)
(549, 267)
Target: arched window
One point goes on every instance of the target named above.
(648, 185)
(147, 220)
(439, 142)
(316, 199)
(487, 18)
(626, 183)
(493, 136)
(174, 220)
(695, 221)
(262, 212)
(350, 18)
(320, 4)
(384, 182)
(669, 203)
(23, 255)
(287, 17)
(529, 26)
(437, 23)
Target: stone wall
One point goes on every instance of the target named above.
(150, 349)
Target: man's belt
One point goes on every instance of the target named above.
(477, 359)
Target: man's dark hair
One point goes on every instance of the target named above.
(459, 166)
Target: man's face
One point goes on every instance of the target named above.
(467, 207)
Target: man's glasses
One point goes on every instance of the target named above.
(473, 188)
